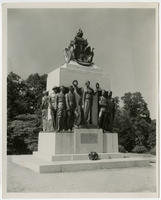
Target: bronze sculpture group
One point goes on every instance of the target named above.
(68, 107)
(79, 50)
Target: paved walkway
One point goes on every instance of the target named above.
(142, 179)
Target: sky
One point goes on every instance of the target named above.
(124, 42)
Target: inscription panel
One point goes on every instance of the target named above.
(89, 138)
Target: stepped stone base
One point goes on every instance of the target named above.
(76, 157)
(68, 152)
(42, 166)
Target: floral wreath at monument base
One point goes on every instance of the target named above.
(93, 156)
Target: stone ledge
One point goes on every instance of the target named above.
(68, 157)
(41, 166)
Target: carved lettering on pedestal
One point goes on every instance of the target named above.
(89, 138)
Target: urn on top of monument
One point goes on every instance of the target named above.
(79, 50)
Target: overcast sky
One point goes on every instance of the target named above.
(124, 42)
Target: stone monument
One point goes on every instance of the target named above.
(80, 68)
(77, 115)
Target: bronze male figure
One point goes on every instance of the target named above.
(78, 110)
(53, 106)
(61, 108)
(103, 104)
(70, 107)
(44, 108)
(87, 103)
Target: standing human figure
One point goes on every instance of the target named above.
(111, 112)
(53, 107)
(103, 104)
(78, 109)
(87, 103)
(70, 107)
(97, 94)
(61, 108)
(44, 108)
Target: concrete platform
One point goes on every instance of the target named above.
(42, 166)
(69, 157)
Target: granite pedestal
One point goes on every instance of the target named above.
(65, 74)
(81, 141)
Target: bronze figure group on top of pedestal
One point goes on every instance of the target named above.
(68, 107)
(79, 50)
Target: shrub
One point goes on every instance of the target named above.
(152, 135)
(22, 134)
(26, 117)
(153, 151)
(139, 149)
(122, 149)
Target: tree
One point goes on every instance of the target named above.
(15, 96)
(36, 85)
(123, 126)
(23, 112)
(133, 123)
(135, 104)
(24, 96)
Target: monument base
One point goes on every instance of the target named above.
(76, 157)
(81, 141)
(68, 152)
(41, 166)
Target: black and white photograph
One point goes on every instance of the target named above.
(80, 96)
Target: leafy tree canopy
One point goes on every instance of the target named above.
(133, 123)
(24, 96)
(135, 104)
